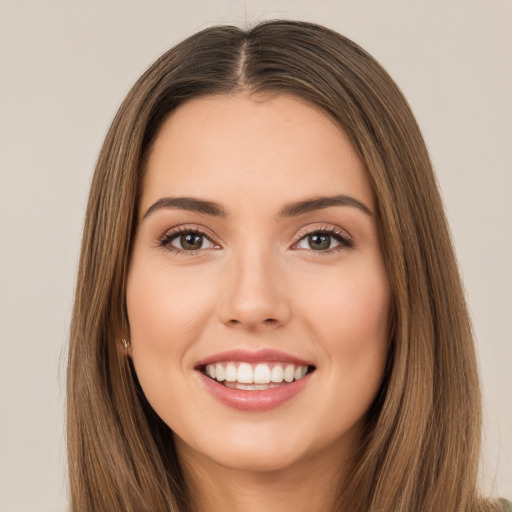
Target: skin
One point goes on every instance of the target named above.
(256, 283)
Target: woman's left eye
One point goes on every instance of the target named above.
(186, 241)
(323, 241)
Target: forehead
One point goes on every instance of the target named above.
(245, 148)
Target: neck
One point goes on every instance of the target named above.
(306, 486)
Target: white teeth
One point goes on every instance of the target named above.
(231, 372)
(250, 387)
(277, 374)
(289, 373)
(253, 377)
(300, 372)
(244, 374)
(220, 374)
(261, 374)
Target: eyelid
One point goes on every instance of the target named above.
(345, 239)
(172, 233)
(324, 228)
(169, 234)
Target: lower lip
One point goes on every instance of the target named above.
(254, 401)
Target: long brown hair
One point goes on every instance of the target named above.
(421, 446)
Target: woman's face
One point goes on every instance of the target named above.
(257, 259)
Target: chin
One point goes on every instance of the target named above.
(265, 451)
(253, 459)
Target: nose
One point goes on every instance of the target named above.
(254, 294)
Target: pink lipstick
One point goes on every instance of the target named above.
(254, 380)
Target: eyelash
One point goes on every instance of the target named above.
(167, 238)
(345, 242)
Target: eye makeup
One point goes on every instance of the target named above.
(325, 239)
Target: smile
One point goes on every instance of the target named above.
(254, 381)
(254, 377)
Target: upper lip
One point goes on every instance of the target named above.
(253, 356)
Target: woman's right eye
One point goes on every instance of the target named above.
(186, 241)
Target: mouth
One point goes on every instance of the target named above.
(252, 376)
(254, 381)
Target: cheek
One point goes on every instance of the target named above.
(164, 306)
(167, 311)
(358, 342)
(350, 314)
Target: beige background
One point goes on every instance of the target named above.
(64, 68)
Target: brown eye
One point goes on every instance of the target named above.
(186, 241)
(324, 241)
(191, 242)
(319, 241)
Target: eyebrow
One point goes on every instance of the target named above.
(187, 203)
(319, 203)
(290, 210)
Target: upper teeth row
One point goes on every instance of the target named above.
(262, 373)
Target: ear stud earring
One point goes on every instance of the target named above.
(125, 343)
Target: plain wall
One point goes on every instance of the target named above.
(64, 69)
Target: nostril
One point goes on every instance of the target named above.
(268, 322)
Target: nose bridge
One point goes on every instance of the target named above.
(254, 291)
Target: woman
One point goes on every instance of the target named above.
(268, 311)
